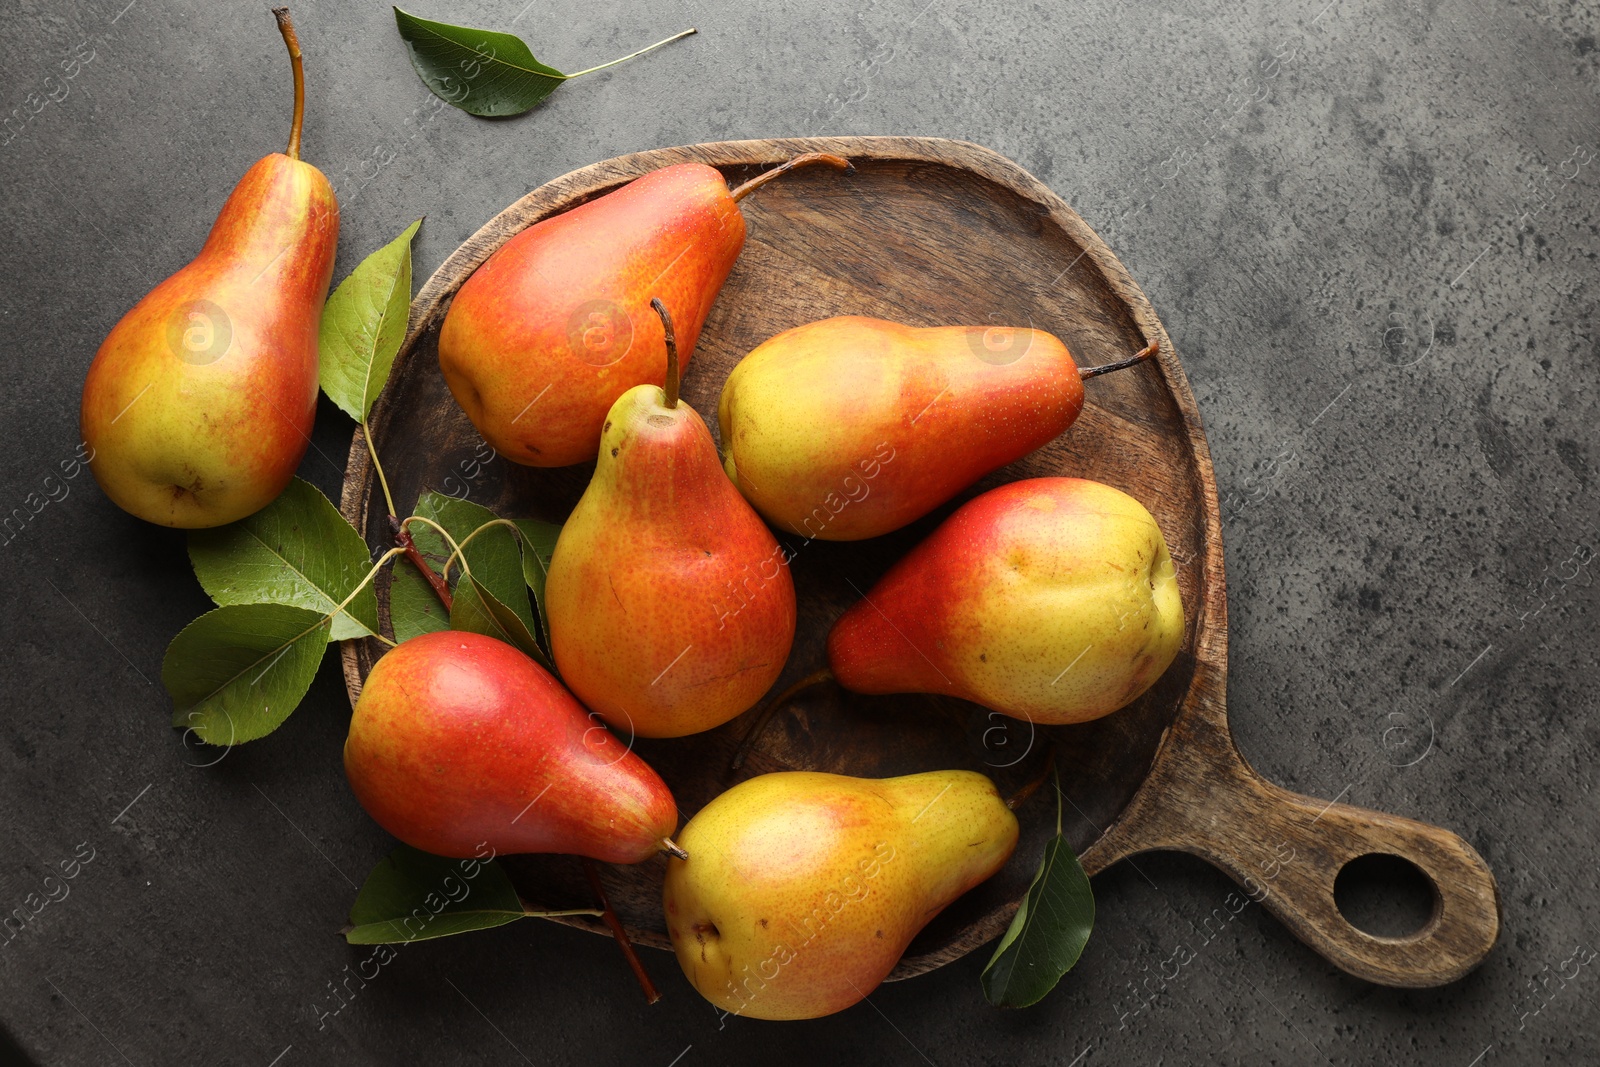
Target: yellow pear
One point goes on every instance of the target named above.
(802, 890)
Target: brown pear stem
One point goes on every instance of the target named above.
(1021, 796)
(672, 848)
(671, 388)
(590, 872)
(756, 728)
(1133, 361)
(402, 539)
(286, 28)
(804, 160)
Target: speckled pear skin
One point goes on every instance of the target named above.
(1049, 599)
(199, 403)
(544, 337)
(802, 890)
(459, 740)
(670, 602)
(913, 416)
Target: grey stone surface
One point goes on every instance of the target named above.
(1370, 228)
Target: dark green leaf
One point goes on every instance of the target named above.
(297, 550)
(363, 324)
(414, 608)
(538, 546)
(479, 71)
(483, 72)
(1047, 934)
(475, 609)
(237, 672)
(413, 896)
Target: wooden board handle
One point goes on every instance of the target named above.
(1286, 850)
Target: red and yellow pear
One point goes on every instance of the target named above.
(199, 404)
(670, 603)
(912, 416)
(460, 741)
(1047, 599)
(802, 890)
(556, 325)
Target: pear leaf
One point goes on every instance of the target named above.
(363, 325)
(236, 673)
(297, 550)
(475, 609)
(482, 72)
(493, 556)
(413, 896)
(414, 608)
(1047, 934)
(538, 546)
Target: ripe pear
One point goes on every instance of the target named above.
(913, 416)
(802, 890)
(556, 325)
(670, 603)
(459, 740)
(1049, 599)
(198, 405)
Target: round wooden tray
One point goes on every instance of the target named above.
(935, 232)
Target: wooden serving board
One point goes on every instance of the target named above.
(935, 232)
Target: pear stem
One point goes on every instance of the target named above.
(1133, 361)
(756, 728)
(593, 874)
(631, 55)
(671, 388)
(1021, 796)
(742, 191)
(286, 28)
(672, 848)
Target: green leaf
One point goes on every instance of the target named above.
(414, 608)
(538, 546)
(1047, 934)
(493, 557)
(363, 324)
(297, 550)
(236, 673)
(413, 896)
(483, 72)
(475, 609)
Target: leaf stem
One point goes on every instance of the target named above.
(286, 27)
(632, 55)
(371, 574)
(467, 540)
(366, 435)
(593, 874)
(555, 914)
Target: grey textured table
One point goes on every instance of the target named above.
(1371, 231)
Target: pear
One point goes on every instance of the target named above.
(670, 603)
(198, 405)
(1048, 599)
(913, 416)
(459, 740)
(556, 325)
(802, 890)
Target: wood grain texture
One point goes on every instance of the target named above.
(936, 232)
